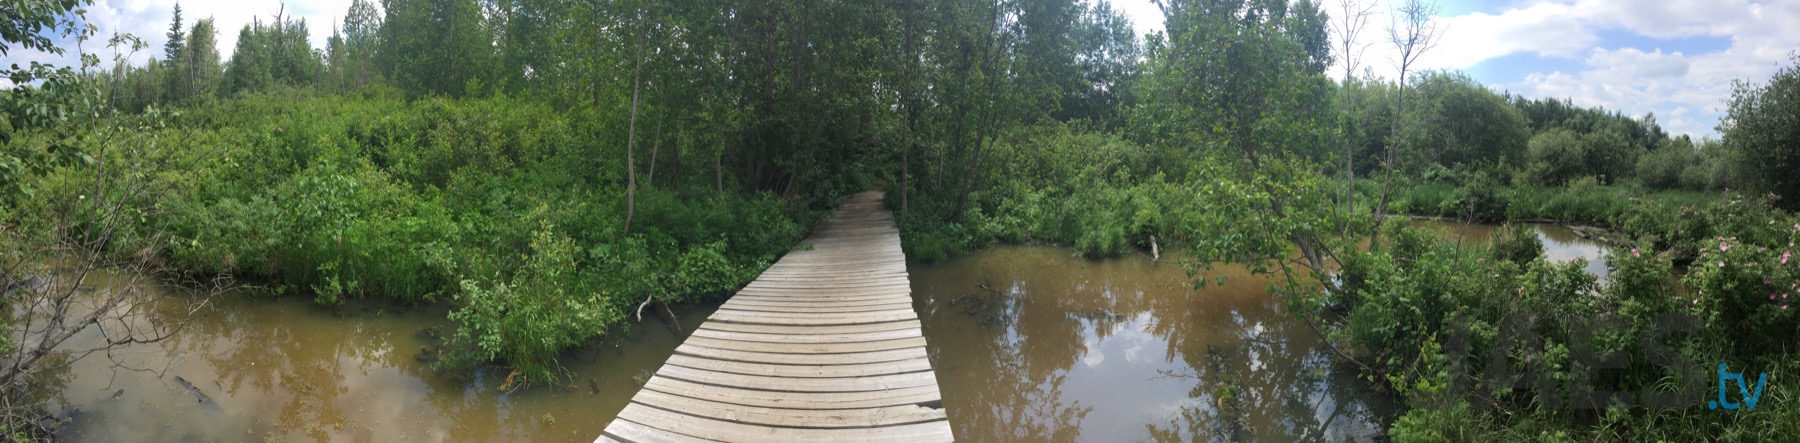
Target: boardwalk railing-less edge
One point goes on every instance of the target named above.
(823, 347)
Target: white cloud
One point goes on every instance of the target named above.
(1547, 28)
(1686, 90)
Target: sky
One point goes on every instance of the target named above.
(1674, 58)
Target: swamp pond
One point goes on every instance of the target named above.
(1030, 343)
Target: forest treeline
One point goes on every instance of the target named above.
(547, 167)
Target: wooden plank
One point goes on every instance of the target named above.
(937, 431)
(809, 330)
(846, 280)
(844, 286)
(802, 371)
(903, 293)
(763, 304)
(800, 359)
(629, 431)
(819, 309)
(824, 346)
(826, 261)
(836, 273)
(783, 384)
(765, 318)
(791, 418)
(806, 348)
(794, 400)
(814, 301)
(808, 338)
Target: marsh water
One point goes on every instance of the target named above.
(1030, 343)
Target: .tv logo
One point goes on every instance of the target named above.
(1743, 388)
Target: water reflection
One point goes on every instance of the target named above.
(1034, 344)
(1065, 349)
(1029, 343)
(282, 369)
(1561, 243)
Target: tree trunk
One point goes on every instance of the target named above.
(655, 147)
(718, 165)
(1379, 211)
(637, 86)
(996, 46)
(906, 110)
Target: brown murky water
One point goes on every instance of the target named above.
(1035, 344)
(1053, 348)
(282, 369)
(1067, 349)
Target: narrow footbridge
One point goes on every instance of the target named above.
(823, 347)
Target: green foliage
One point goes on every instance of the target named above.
(491, 204)
(1478, 196)
(1746, 289)
(1555, 157)
(527, 321)
(435, 47)
(269, 55)
(1456, 122)
(1759, 126)
(1517, 243)
(1662, 168)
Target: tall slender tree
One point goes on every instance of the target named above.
(172, 48)
(1412, 33)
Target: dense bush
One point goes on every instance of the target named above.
(1761, 129)
(1662, 168)
(1554, 157)
(1433, 317)
(503, 207)
(1517, 243)
(1057, 183)
(1457, 123)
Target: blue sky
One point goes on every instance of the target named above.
(1674, 58)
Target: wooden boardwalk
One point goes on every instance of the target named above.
(823, 347)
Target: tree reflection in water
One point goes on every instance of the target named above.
(1031, 344)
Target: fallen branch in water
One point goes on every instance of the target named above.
(640, 309)
(669, 318)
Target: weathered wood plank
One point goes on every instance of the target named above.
(800, 359)
(796, 293)
(807, 338)
(628, 431)
(937, 431)
(821, 301)
(807, 330)
(806, 348)
(808, 310)
(812, 320)
(795, 400)
(780, 384)
(811, 371)
(791, 418)
(824, 346)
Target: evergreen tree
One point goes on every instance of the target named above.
(172, 49)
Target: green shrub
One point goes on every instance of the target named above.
(1744, 286)
(1517, 243)
(1662, 168)
(527, 320)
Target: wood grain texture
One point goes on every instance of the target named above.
(823, 347)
